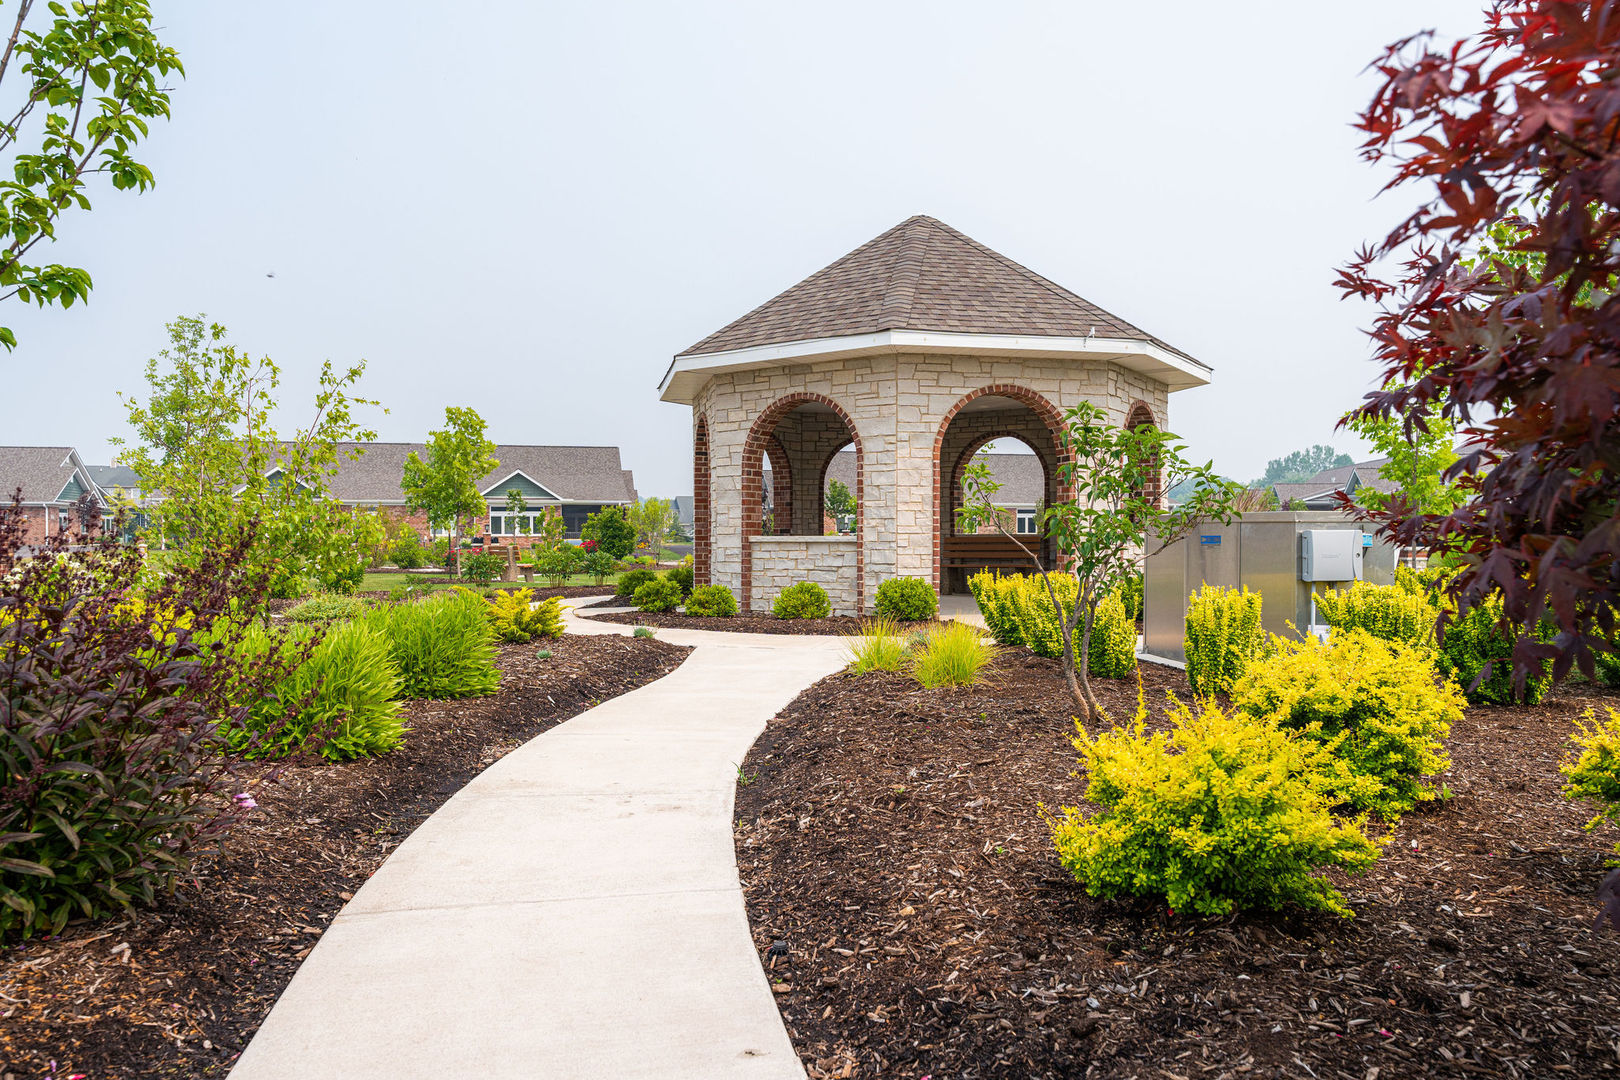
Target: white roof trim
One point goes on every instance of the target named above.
(688, 372)
(489, 491)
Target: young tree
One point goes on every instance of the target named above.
(516, 504)
(445, 486)
(1301, 465)
(1114, 520)
(653, 520)
(840, 501)
(85, 81)
(611, 531)
(1515, 126)
(1418, 460)
(209, 460)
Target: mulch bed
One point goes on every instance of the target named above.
(177, 990)
(890, 840)
(750, 622)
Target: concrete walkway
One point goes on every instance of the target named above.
(574, 912)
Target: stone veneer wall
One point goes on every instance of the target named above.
(897, 403)
(780, 561)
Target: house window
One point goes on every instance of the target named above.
(1026, 523)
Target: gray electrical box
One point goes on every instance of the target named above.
(1330, 555)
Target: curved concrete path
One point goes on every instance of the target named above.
(574, 912)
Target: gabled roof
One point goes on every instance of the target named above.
(590, 474)
(41, 471)
(922, 275)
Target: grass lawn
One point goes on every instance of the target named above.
(383, 580)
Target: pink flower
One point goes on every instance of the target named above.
(245, 801)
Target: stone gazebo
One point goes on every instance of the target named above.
(915, 349)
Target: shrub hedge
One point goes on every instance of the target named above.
(631, 580)
(1222, 812)
(1223, 637)
(1374, 705)
(1388, 612)
(682, 576)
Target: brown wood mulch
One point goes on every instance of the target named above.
(907, 902)
(749, 622)
(177, 990)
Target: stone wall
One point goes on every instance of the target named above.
(780, 561)
(897, 403)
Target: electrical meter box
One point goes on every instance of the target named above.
(1330, 554)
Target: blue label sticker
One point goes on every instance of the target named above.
(1209, 539)
(1366, 539)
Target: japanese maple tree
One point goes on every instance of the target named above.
(1516, 344)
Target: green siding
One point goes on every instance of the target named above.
(71, 492)
(532, 491)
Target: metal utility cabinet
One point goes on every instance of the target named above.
(1286, 556)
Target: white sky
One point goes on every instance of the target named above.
(528, 208)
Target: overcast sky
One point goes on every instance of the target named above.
(528, 208)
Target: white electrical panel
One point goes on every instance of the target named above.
(1330, 555)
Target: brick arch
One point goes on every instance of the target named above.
(1048, 469)
(821, 488)
(1142, 413)
(781, 486)
(753, 512)
(1044, 410)
(702, 547)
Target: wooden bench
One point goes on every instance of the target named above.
(986, 551)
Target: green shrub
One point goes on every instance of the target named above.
(1223, 637)
(1374, 705)
(1388, 612)
(344, 692)
(806, 600)
(515, 617)
(993, 594)
(611, 529)
(439, 551)
(1038, 621)
(711, 602)
(323, 607)
(879, 646)
(682, 576)
(443, 645)
(951, 654)
(482, 567)
(343, 579)
(642, 631)
(659, 594)
(908, 599)
(1474, 641)
(407, 554)
(631, 580)
(1608, 668)
(599, 564)
(558, 562)
(1595, 773)
(1113, 640)
(1222, 812)
(408, 590)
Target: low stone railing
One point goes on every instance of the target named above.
(780, 561)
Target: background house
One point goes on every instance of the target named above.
(51, 479)
(1320, 491)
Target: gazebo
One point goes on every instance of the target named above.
(916, 349)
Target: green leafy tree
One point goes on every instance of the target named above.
(445, 485)
(840, 501)
(653, 520)
(1114, 519)
(87, 80)
(515, 502)
(1301, 465)
(611, 529)
(209, 459)
(1419, 455)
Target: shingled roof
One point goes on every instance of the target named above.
(40, 471)
(583, 474)
(922, 275)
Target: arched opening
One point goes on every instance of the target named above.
(1142, 416)
(701, 547)
(1025, 431)
(785, 463)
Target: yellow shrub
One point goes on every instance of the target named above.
(1375, 705)
(1390, 612)
(515, 617)
(1595, 774)
(1223, 637)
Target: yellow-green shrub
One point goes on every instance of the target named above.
(1222, 812)
(1389, 612)
(1223, 637)
(1595, 773)
(1375, 705)
(444, 645)
(1113, 640)
(993, 594)
(515, 617)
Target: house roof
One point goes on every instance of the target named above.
(573, 473)
(112, 477)
(1307, 493)
(683, 508)
(40, 471)
(1021, 476)
(922, 275)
